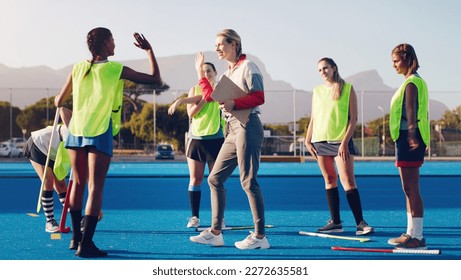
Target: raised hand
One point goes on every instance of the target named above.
(199, 60)
(141, 42)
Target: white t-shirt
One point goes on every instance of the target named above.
(42, 139)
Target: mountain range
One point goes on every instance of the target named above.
(27, 85)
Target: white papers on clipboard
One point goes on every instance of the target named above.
(228, 90)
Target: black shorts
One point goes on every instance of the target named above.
(31, 152)
(405, 157)
(331, 149)
(204, 150)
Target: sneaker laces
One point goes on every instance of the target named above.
(206, 231)
(252, 236)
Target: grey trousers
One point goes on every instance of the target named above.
(242, 148)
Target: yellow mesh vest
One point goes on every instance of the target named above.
(330, 116)
(207, 121)
(422, 116)
(96, 98)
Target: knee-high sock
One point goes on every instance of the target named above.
(417, 228)
(90, 223)
(195, 194)
(409, 224)
(76, 217)
(48, 205)
(333, 204)
(353, 198)
(62, 197)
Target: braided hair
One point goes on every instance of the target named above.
(96, 41)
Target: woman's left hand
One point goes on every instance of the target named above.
(412, 141)
(141, 42)
(343, 152)
(227, 106)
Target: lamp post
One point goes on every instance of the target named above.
(384, 130)
(363, 129)
(295, 144)
(155, 119)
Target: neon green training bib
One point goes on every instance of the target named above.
(395, 114)
(97, 97)
(330, 116)
(208, 120)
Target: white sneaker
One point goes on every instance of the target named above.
(51, 226)
(193, 222)
(252, 242)
(207, 237)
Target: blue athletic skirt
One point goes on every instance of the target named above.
(103, 143)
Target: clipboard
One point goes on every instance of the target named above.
(226, 89)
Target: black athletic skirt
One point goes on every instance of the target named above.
(31, 152)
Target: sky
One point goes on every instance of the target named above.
(288, 36)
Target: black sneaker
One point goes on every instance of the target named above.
(331, 227)
(89, 251)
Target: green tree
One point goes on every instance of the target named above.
(7, 123)
(170, 129)
(451, 119)
(38, 115)
(376, 129)
(133, 91)
(303, 124)
(277, 129)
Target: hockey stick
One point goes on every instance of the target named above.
(233, 228)
(55, 123)
(62, 223)
(394, 251)
(324, 235)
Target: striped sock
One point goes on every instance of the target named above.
(48, 205)
(62, 197)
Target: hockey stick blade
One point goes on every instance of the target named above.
(324, 235)
(392, 251)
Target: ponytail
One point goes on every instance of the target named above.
(338, 81)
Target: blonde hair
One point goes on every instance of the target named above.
(231, 36)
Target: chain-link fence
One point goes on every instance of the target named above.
(283, 109)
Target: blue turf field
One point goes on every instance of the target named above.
(146, 210)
